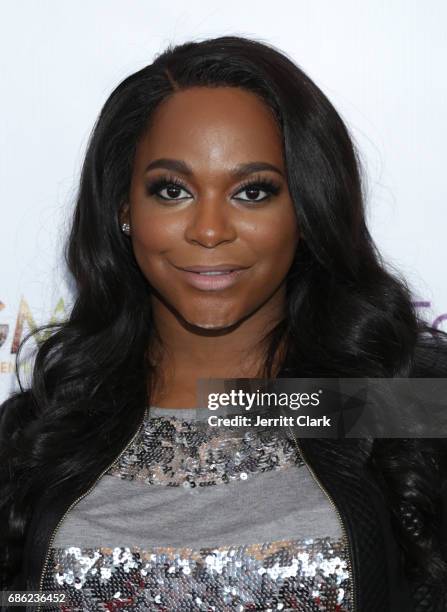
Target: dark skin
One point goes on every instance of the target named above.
(211, 218)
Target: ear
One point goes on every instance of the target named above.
(124, 213)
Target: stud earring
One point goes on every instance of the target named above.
(126, 228)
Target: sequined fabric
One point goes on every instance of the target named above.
(305, 574)
(175, 452)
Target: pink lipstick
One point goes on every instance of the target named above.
(212, 278)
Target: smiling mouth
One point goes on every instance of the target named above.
(212, 278)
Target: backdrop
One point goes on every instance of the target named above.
(381, 63)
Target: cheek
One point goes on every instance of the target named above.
(274, 244)
(150, 241)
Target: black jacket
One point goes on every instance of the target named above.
(380, 584)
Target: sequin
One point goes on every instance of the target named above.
(175, 452)
(308, 575)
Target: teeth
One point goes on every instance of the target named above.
(215, 273)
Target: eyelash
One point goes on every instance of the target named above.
(261, 183)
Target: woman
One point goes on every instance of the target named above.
(220, 232)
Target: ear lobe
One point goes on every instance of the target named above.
(123, 216)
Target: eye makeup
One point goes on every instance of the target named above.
(258, 183)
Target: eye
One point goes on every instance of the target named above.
(172, 187)
(258, 191)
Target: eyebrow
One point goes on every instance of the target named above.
(238, 172)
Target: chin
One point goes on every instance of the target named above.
(212, 323)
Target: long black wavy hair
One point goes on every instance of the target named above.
(347, 314)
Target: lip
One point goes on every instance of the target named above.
(228, 278)
(216, 268)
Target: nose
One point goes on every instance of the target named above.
(210, 223)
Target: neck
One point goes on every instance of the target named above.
(182, 353)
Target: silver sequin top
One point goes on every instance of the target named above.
(195, 518)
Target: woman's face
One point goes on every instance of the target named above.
(209, 189)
